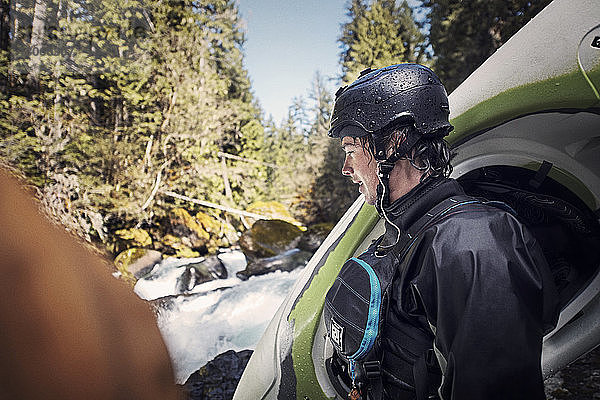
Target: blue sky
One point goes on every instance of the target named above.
(287, 41)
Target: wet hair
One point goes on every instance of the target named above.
(431, 153)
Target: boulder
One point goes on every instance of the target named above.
(218, 379)
(134, 263)
(314, 235)
(274, 210)
(199, 272)
(181, 276)
(221, 234)
(267, 238)
(286, 261)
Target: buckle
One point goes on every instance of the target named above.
(372, 369)
(385, 168)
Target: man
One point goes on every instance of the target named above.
(452, 302)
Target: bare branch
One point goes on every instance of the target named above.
(156, 186)
(213, 205)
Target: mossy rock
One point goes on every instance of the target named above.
(186, 252)
(185, 226)
(171, 241)
(210, 224)
(135, 262)
(134, 237)
(176, 247)
(273, 210)
(221, 233)
(267, 238)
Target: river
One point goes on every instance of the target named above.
(213, 317)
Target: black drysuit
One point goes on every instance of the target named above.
(475, 294)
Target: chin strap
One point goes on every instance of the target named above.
(385, 165)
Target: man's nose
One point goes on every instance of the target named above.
(346, 169)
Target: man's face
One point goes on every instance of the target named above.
(361, 167)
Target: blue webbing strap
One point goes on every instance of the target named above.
(372, 327)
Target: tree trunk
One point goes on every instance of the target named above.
(37, 39)
(4, 24)
(228, 193)
(4, 38)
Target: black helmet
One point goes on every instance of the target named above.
(409, 93)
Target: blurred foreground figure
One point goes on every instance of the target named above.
(68, 329)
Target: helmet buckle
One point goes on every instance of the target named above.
(385, 168)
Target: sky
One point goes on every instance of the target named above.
(287, 41)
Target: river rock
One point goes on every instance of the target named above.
(314, 235)
(286, 261)
(135, 262)
(199, 272)
(267, 238)
(273, 210)
(218, 379)
(580, 380)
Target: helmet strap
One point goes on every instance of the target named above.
(386, 164)
(384, 168)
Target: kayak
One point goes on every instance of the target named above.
(526, 122)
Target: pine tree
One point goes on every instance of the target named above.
(140, 96)
(379, 33)
(464, 33)
(71, 96)
(330, 193)
(301, 148)
(205, 106)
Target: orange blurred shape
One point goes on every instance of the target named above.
(68, 329)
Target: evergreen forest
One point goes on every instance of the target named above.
(117, 112)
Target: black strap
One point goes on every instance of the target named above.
(374, 377)
(427, 376)
(439, 211)
(386, 164)
(540, 175)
